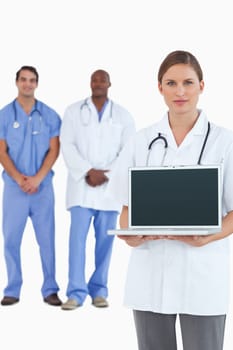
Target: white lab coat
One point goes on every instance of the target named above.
(87, 143)
(170, 276)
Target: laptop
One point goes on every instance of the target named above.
(176, 200)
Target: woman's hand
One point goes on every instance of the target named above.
(196, 241)
(135, 241)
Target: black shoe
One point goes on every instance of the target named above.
(53, 300)
(9, 300)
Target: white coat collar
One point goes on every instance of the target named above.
(107, 111)
(163, 127)
(198, 129)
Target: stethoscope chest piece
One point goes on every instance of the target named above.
(16, 124)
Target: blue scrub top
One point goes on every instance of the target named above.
(29, 143)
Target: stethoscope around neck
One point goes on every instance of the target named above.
(162, 138)
(85, 107)
(16, 123)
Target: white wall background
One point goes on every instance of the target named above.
(67, 41)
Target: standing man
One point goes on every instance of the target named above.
(29, 146)
(93, 133)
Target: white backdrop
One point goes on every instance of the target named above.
(66, 41)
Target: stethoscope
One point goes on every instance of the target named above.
(16, 123)
(87, 118)
(164, 140)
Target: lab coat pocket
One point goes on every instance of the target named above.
(208, 282)
(111, 140)
(137, 290)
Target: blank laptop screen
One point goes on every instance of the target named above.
(182, 197)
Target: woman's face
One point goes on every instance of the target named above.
(180, 88)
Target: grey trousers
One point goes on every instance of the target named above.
(157, 331)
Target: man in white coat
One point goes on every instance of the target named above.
(93, 134)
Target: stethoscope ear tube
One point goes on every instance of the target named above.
(159, 137)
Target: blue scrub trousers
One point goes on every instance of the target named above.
(17, 207)
(103, 221)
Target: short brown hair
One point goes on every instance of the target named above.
(31, 69)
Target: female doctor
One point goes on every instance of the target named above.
(180, 275)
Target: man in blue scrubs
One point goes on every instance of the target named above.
(29, 146)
